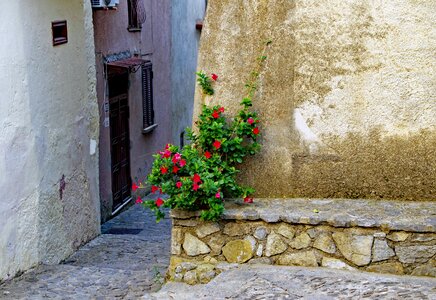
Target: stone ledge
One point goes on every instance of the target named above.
(384, 214)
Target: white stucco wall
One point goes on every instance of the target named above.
(48, 129)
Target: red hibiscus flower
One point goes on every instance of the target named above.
(195, 187)
(175, 170)
(256, 130)
(218, 195)
(207, 154)
(215, 114)
(154, 189)
(134, 187)
(217, 144)
(159, 202)
(182, 163)
(163, 170)
(248, 199)
(221, 109)
(250, 121)
(214, 77)
(138, 200)
(196, 178)
(179, 184)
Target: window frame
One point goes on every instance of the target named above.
(134, 24)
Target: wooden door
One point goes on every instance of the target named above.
(119, 139)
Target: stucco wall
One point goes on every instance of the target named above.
(152, 43)
(49, 130)
(347, 98)
(185, 40)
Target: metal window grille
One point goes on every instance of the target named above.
(147, 97)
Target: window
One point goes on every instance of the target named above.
(137, 16)
(59, 31)
(147, 98)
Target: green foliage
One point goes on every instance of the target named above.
(205, 83)
(201, 174)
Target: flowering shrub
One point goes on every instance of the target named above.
(201, 174)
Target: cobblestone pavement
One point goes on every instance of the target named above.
(129, 259)
(275, 282)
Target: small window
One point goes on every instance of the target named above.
(59, 32)
(137, 16)
(147, 98)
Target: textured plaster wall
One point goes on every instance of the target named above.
(153, 43)
(185, 40)
(49, 129)
(347, 97)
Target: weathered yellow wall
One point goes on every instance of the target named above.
(347, 97)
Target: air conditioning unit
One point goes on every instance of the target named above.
(104, 3)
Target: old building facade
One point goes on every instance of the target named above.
(48, 134)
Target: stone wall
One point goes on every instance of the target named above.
(200, 250)
(346, 99)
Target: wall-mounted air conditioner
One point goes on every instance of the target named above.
(104, 3)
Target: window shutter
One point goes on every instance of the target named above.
(147, 97)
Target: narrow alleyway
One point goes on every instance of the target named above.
(129, 259)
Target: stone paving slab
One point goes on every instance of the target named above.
(419, 216)
(112, 266)
(273, 282)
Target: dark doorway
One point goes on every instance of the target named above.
(118, 80)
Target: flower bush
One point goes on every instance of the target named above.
(201, 174)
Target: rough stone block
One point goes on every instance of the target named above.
(415, 253)
(236, 229)
(355, 248)
(334, 263)
(190, 277)
(238, 251)
(324, 242)
(193, 246)
(398, 236)
(390, 268)
(261, 232)
(306, 258)
(286, 231)
(381, 251)
(274, 245)
(207, 229)
(216, 243)
(176, 241)
(301, 241)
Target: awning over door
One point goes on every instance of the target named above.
(128, 62)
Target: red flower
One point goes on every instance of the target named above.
(154, 189)
(195, 187)
(207, 154)
(250, 121)
(182, 163)
(256, 130)
(196, 178)
(248, 199)
(138, 200)
(164, 170)
(179, 184)
(167, 146)
(159, 202)
(167, 153)
(134, 187)
(217, 144)
(218, 195)
(175, 169)
(215, 114)
(221, 109)
(177, 156)
(214, 76)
